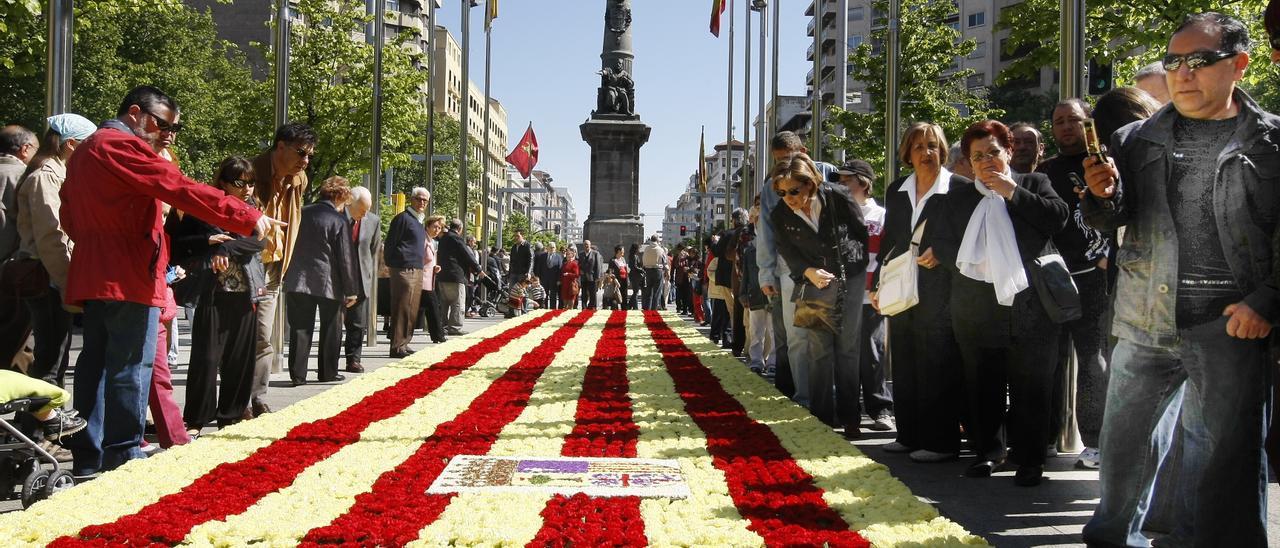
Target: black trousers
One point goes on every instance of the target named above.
(720, 322)
(430, 316)
(876, 398)
(1088, 337)
(51, 326)
(1024, 371)
(356, 322)
(782, 378)
(553, 294)
(739, 328)
(302, 324)
(927, 379)
(224, 340)
(589, 294)
(15, 326)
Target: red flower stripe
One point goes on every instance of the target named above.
(603, 429)
(768, 487)
(231, 488)
(398, 506)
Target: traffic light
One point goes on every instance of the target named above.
(683, 230)
(1100, 80)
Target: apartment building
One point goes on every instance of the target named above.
(694, 211)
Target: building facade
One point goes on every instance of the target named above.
(695, 211)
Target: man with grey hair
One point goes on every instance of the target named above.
(405, 254)
(1151, 79)
(366, 237)
(17, 146)
(591, 269)
(547, 267)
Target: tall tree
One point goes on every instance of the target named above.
(445, 196)
(330, 78)
(930, 90)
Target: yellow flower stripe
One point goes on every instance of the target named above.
(875, 504)
(513, 519)
(328, 489)
(709, 517)
(142, 482)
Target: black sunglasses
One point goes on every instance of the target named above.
(239, 183)
(793, 192)
(304, 153)
(165, 125)
(1194, 60)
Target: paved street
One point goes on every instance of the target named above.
(1050, 515)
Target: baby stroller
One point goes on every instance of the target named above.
(493, 296)
(25, 464)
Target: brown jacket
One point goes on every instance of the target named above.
(281, 201)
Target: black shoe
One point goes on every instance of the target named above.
(298, 382)
(982, 469)
(1028, 476)
(60, 425)
(336, 378)
(851, 433)
(260, 408)
(355, 367)
(440, 340)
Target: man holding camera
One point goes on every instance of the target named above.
(1196, 297)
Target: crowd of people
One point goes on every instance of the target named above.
(1150, 261)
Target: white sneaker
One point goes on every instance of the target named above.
(925, 455)
(895, 447)
(1090, 459)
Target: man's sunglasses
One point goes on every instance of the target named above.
(165, 125)
(1194, 60)
(308, 154)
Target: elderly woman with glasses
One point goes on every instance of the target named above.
(225, 278)
(926, 368)
(822, 236)
(990, 232)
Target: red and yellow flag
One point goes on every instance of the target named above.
(490, 12)
(525, 156)
(717, 8)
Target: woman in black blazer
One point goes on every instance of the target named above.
(819, 250)
(1006, 338)
(926, 364)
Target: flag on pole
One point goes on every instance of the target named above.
(702, 162)
(490, 12)
(525, 156)
(717, 8)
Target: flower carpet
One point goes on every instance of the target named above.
(570, 390)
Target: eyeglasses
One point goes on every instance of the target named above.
(240, 183)
(1194, 60)
(420, 199)
(164, 125)
(984, 156)
(308, 154)
(783, 193)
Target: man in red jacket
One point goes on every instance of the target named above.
(111, 208)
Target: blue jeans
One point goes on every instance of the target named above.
(112, 380)
(799, 354)
(1223, 422)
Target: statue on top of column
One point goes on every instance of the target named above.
(617, 90)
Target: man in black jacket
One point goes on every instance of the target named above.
(547, 266)
(521, 260)
(456, 264)
(405, 253)
(592, 268)
(322, 276)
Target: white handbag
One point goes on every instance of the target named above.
(898, 288)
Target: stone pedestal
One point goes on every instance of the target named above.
(615, 142)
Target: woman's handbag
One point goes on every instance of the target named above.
(820, 308)
(899, 279)
(24, 278)
(1057, 291)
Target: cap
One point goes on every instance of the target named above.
(857, 167)
(72, 126)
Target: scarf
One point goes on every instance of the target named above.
(989, 250)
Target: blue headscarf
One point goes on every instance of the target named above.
(72, 126)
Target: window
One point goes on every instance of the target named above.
(977, 19)
(977, 80)
(393, 5)
(857, 14)
(980, 51)
(855, 41)
(955, 25)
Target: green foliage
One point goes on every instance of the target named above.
(1132, 34)
(927, 92)
(331, 76)
(519, 221)
(444, 198)
(224, 111)
(24, 28)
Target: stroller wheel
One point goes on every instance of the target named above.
(33, 487)
(59, 481)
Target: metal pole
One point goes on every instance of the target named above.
(58, 78)
(1071, 56)
(891, 94)
(762, 135)
(747, 185)
(815, 124)
(842, 48)
(485, 182)
(430, 168)
(282, 63)
(728, 124)
(464, 132)
(773, 92)
(379, 38)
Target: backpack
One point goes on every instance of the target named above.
(652, 257)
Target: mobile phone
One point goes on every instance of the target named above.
(1077, 182)
(1092, 145)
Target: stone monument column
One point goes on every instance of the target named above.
(615, 133)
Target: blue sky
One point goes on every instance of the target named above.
(545, 57)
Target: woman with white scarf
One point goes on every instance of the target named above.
(990, 232)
